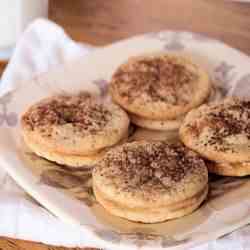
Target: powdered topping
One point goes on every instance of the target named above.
(83, 111)
(226, 119)
(151, 167)
(158, 79)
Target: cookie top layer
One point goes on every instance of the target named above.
(160, 86)
(65, 123)
(150, 171)
(82, 111)
(220, 132)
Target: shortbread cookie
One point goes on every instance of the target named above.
(73, 126)
(159, 87)
(150, 181)
(220, 132)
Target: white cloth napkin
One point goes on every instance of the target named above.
(45, 45)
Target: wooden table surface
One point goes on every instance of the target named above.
(101, 22)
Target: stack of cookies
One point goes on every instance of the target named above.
(159, 90)
(221, 134)
(73, 130)
(150, 181)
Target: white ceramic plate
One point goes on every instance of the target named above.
(57, 188)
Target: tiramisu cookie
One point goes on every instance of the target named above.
(150, 181)
(221, 133)
(73, 129)
(159, 87)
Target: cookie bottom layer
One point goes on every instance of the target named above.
(64, 159)
(169, 125)
(229, 169)
(155, 124)
(151, 214)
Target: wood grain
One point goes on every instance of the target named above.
(2, 67)
(101, 22)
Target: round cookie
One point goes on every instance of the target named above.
(150, 181)
(220, 132)
(159, 87)
(73, 125)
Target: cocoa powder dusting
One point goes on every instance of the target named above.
(160, 78)
(82, 111)
(156, 166)
(227, 120)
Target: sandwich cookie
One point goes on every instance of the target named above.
(221, 133)
(73, 130)
(158, 90)
(150, 182)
